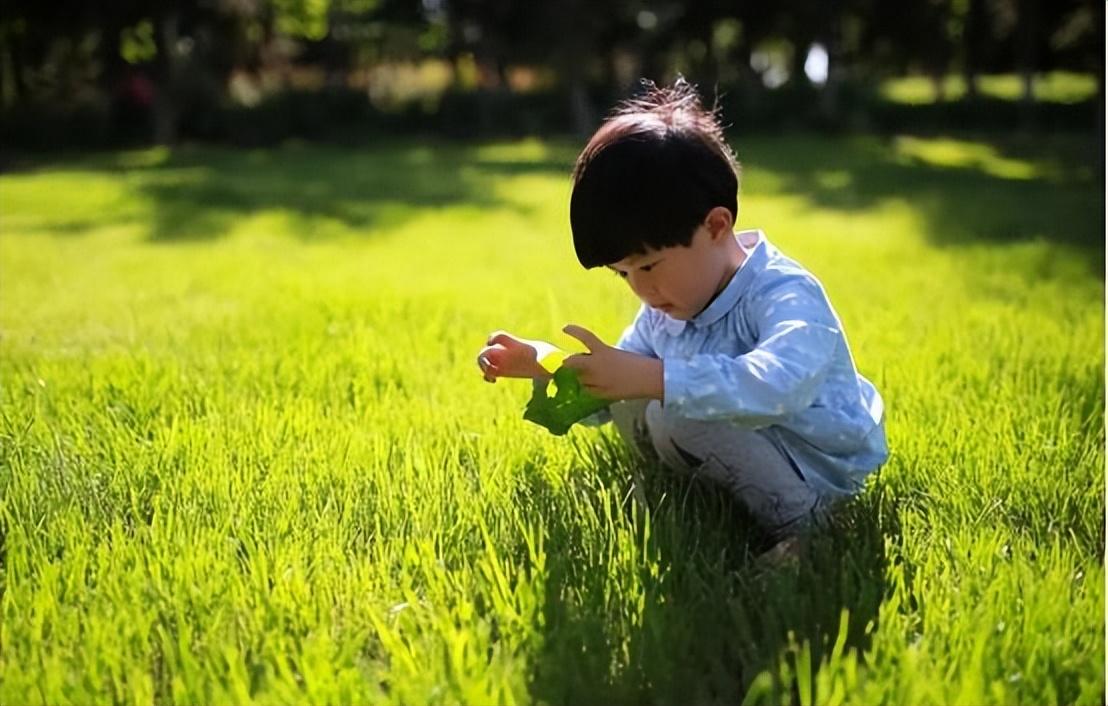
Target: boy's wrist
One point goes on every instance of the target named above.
(659, 379)
(653, 376)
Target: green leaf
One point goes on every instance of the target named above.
(570, 404)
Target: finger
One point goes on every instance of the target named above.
(577, 361)
(598, 389)
(490, 370)
(592, 389)
(501, 337)
(584, 370)
(585, 336)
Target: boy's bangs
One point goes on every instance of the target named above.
(635, 196)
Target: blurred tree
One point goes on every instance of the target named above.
(1076, 41)
(183, 60)
(572, 37)
(973, 36)
(913, 38)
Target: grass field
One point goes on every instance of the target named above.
(246, 456)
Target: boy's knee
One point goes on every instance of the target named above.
(629, 418)
(743, 461)
(682, 443)
(649, 430)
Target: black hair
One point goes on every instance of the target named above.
(649, 176)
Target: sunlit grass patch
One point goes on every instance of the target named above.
(1052, 87)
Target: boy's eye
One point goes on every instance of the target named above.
(620, 274)
(646, 268)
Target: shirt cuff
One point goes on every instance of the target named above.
(694, 390)
(675, 385)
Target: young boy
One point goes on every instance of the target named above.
(736, 367)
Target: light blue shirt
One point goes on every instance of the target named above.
(769, 353)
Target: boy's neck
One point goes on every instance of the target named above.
(736, 256)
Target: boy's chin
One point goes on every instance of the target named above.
(672, 312)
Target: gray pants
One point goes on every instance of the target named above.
(741, 460)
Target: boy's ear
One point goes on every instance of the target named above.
(719, 222)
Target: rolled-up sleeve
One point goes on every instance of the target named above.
(797, 335)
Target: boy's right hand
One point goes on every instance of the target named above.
(506, 356)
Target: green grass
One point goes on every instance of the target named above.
(246, 456)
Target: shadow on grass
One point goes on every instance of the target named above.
(973, 189)
(688, 616)
(199, 193)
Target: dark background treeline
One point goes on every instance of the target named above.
(77, 73)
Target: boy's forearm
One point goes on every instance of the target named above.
(654, 379)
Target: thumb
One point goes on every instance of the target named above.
(501, 337)
(585, 336)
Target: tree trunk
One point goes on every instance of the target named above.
(970, 32)
(797, 77)
(19, 77)
(1100, 121)
(165, 100)
(937, 85)
(9, 86)
(581, 107)
(829, 97)
(1026, 56)
(577, 50)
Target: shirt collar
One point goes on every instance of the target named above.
(752, 243)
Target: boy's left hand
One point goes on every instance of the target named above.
(613, 374)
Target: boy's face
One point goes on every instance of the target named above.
(682, 281)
